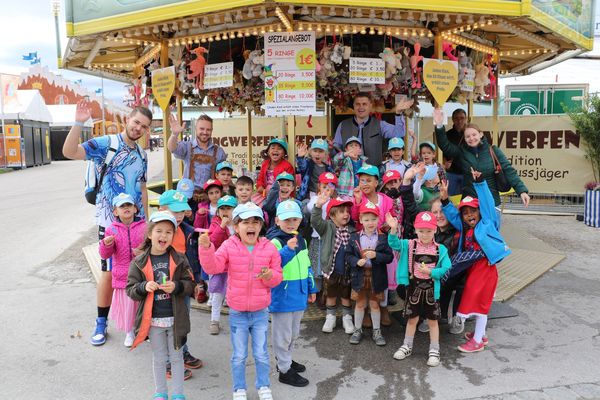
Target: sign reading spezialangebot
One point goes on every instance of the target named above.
(218, 75)
(290, 85)
(367, 70)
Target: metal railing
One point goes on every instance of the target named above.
(545, 202)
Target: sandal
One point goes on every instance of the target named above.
(160, 396)
(434, 358)
(403, 352)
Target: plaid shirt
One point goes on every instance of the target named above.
(345, 172)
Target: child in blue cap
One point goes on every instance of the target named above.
(289, 299)
(310, 164)
(346, 165)
(396, 160)
(282, 190)
(224, 174)
(274, 164)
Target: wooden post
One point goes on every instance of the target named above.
(496, 107)
(438, 46)
(291, 139)
(249, 132)
(164, 62)
(180, 117)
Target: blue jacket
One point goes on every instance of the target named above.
(304, 167)
(487, 230)
(298, 281)
(402, 272)
(271, 202)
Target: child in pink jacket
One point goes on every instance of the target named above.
(124, 235)
(253, 267)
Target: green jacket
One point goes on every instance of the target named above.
(443, 264)
(480, 159)
(325, 229)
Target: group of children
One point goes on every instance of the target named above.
(370, 234)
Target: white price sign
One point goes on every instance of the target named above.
(218, 75)
(367, 70)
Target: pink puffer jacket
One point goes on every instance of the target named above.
(244, 291)
(126, 239)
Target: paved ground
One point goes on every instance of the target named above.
(550, 351)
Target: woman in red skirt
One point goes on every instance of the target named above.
(479, 227)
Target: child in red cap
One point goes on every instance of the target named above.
(479, 228)
(368, 254)
(208, 209)
(422, 264)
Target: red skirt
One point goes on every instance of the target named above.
(480, 287)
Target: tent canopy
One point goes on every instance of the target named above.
(29, 106)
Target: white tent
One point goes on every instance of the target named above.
(30, 106)
(64, 115)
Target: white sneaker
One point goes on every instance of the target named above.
(423, 326)
(434, 358)
(348, 324)
(403, 352)
(329, 324)
(129, 338)
(264, 393)
(457, 326)
(240, 394)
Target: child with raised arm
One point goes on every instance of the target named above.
(310, 164)
(335, 236)
(120, 242)
(347, 164)
(368, 255)
(478, 223)
(253, 268)
(422, 264)
(160, 279)
(290, 297)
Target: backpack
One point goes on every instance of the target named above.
(93, 180)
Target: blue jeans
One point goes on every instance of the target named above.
(256, 325)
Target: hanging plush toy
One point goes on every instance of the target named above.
(390, 62)
(449, 51)
(481, 81)
(197, 67)
(337, 55)
(491, 66)
(416, 69)
(253, 66)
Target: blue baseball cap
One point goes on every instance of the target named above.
(122, 198)
(227, 201)
(395, 143)
(176, 201)
(285, 176)
(224, 164)
(352, 139)
(428, 144)
(320, 144)
(186, 186)
(159, 216)
(369, 170)
(248, 210)
(288, 209)
(280, 142)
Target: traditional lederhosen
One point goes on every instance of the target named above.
(199, 193)
(420, 299)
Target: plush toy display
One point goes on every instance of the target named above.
(253, 67)
(481, 81)
(416, 69)
(197, 67)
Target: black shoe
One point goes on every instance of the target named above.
(292, 378)
(298, 367)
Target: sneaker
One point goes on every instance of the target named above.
(178, 397)
(423, 326)
(378, 337)
(264, 393)
(187, 374)
(457, 326)
(403, 352)
(484, 340)
(356, 336)
(471, 346)
(99, 336)
(191, 362)
(434, 358)
(129, 338)
(240, 394)
(329, 324)
(160, 396)
(292, 378)
(214, 328)
(298, 367)
(348, 324)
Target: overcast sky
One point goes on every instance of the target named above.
(28, 26)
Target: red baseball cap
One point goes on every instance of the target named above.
(212, 182)
(328, 177)
(391, 175)
(425, 220)
(468, 201)
(369, 208)
(338, 201)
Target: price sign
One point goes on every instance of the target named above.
(367, 70)
(218, 75)
(290, 85)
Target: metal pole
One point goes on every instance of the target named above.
(103, 116)
(164, 63)
(180, 117)
(249, 131)
(291, 132)
(4, 156)
(56, 10)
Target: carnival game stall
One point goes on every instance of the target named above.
(286, 59)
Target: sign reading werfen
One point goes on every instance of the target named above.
(367, 70)
(290, 86)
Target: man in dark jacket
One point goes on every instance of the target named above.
(455, 135)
